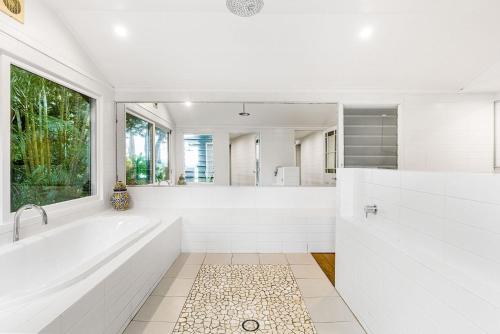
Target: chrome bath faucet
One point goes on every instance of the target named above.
(17, 218)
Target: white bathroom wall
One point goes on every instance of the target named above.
(312, 149)
(447, 133)
(277, 149)
(45, 44)
(243, 160)
(247, 219)
(429, 261)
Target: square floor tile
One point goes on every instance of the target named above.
(218, 258)
(317, 288)
(157, 308)
(138, 327)
(307, 271)
(245, 259)
(183, 271)
(191, 258)
(273, 259)
(300, 258)
(339, 328)
(174, 287)
(328, 309)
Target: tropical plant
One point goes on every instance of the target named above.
(50, 141)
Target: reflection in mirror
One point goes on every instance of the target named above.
(316, 156)
(227, 143)
(198, 158)
(244, 159)
(139, 148)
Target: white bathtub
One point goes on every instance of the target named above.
(87, 266)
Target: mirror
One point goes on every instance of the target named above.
(229, 143)
(244, 156)
(316, 156)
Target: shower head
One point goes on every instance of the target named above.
(245, 8)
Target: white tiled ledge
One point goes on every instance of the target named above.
(247, 219)
(234, 197)
(436, 235)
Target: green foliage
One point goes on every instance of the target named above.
(138, 166)
(138, 170)
(50, 141)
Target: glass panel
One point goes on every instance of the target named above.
(199, 158)
(50, 155)
(139, 149)
(162, 169)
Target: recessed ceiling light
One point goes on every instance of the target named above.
(188, 103)
(121, 31)
(366, 33)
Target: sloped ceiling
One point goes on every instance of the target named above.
(294, 45)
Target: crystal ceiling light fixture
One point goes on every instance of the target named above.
(245, 8)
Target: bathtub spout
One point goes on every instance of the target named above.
(19, 212)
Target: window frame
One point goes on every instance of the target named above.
(6, 63)
(122, 170)
(169, 146)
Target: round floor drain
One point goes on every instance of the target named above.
(250, 325)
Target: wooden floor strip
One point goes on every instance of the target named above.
(327, 263)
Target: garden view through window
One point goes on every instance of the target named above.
(50, 155)
(139, 141)
(146, 142)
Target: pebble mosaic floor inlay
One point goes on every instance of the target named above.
(224, 296)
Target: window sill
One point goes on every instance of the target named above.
(57, 211)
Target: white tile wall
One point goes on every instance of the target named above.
(447, 133)
(248, 219)
(243, 160)
(312, 153)
(429, 262)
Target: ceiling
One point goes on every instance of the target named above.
(262, 115)
(293, 45)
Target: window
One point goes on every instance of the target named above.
(199, 158)
(331, 152)
(51, 141)
(139, 150)
(146, 142)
